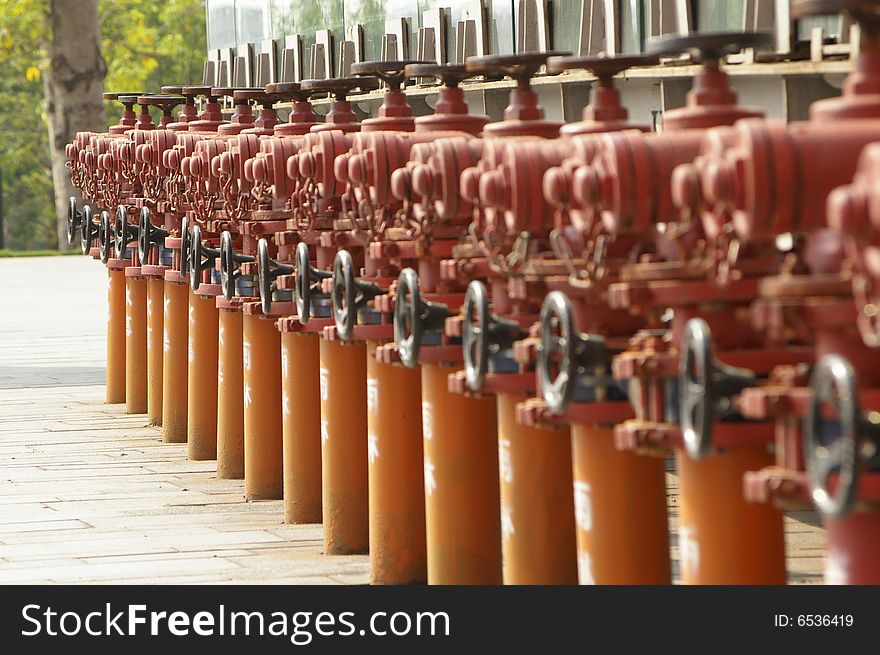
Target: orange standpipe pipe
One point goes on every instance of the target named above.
(261, 357)
(343, 386)
(462, 509)
(537, 506)
(724, 539)
(396, 473)
(174, 358)
(135, 341)
(155, 311)
(851, 556)
(301, 426)
(202, 378)
(116, 331)
(620, 511)
(230, 396)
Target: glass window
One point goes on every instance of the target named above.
(253, 20)
(719, 15)
(282, 19)
(565, 24)
(221, 24)
(372, 14)
(499, 23)
(632, 26)
(831, 24)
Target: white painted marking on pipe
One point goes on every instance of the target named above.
(285, 404)
(689, 548)
(505, 461)
(583, 506)
(585, 569)
(128, 328)
(246, 355)
(372, 395)
(128, 296)
(247, 395)
(284, 362)
(325, 432)
(191, 352)
(430, 481)
(323, 384)
(219, 371)
(191, 314)
(166, 307)
(220, 337)
(372, 447)
(427, 420)
(506, 522)
(836, 567)
(166, 342)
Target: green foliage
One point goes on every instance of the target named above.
(146, 43)
(151, 43)
(25, 175)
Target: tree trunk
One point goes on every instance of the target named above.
(73, 85)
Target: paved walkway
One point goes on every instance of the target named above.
(88, 494)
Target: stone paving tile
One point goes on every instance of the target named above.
(90, 494)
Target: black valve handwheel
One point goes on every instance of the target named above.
(449, 74)
(349, 294)
(105, 237)
(408, 326)
(230, 261)
(124, 232)
(520, 66)
(564, 353)
(413, 317)
(475, 336)
(696, 387)
(557, 314)
(833, 383)
(229, 271)
(268, 270)
(390, 72)
(89, 230)
(706, 47)
(185, 240)
(601, 67)
(343, 296)
(201, 258)
(74, 220)
(149, 235)
(706, 387)
(341, 87)
(483, 334)
(306, 276)
(195, 258)
(145, 230)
